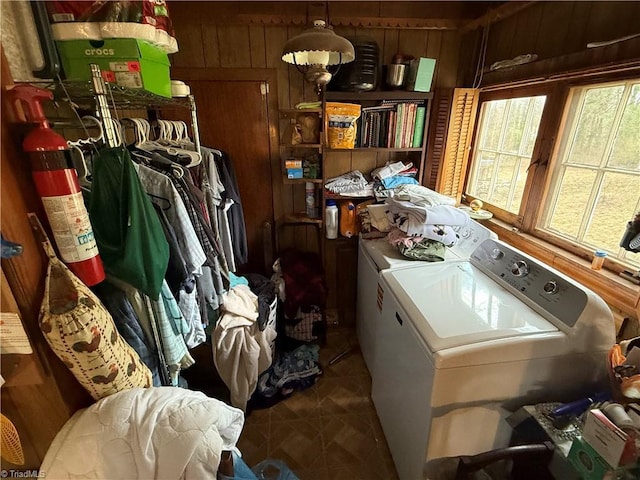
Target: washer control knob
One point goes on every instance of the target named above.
(497, 254)
(520, 268)
(465, 233)
(550, 287)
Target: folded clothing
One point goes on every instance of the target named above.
(378, 217)
(398, 180)
(442, 233)
(421, 196)
(348, 182)
(426, 250)
(412, 215)
(397, 237)
(390, 170)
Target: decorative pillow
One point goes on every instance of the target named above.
(82, 334)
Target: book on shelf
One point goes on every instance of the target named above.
(391, 129)
(399, 125)
(418, 131)
(391, 124)
(411, 121)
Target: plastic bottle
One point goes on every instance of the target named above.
(348, 224)
(598, 259)
(310, 200)
(331, 219)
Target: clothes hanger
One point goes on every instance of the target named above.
(96, 123)
(81, 167)
(194, 157)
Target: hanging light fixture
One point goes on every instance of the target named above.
(316, 49)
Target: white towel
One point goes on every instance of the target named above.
(421, 196)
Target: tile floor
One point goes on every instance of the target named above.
(329, 431)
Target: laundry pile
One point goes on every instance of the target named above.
(392, 175)
(292, 371)
(383, 181)
(419, 222)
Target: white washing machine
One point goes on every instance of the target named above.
(463, 343)
(378, 255)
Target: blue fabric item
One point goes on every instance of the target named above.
(396, 180)
(271, 469)
(290, 367)
(241, 470)
(128, 326)
(235, 280)
(172, 310)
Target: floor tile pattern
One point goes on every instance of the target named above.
(329, 431)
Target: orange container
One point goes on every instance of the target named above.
(348, 219)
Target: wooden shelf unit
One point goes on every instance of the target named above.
(340, 255)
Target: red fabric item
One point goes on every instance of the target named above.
(304, 282)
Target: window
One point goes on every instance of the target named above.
(595, 188)
(578, 184)
(506, 135)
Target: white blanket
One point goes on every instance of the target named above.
(161, 433)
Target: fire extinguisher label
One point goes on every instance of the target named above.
(71, 227)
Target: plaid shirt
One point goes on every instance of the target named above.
(160, 187)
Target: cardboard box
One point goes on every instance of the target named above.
(604, 437)
(294, 173)
(587, 462)
(421, 74)
(293, 164)
(127, 62)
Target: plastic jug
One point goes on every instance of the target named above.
(348, 220)
(331, 219)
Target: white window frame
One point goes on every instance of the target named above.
(559, 165)
(519, 155)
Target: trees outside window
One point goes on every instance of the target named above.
(561, 162)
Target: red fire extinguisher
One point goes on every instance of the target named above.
(57, 184)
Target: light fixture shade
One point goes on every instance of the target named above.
(318, 45)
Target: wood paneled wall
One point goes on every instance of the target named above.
(558, 33)
(207, 39)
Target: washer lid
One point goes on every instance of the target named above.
(455, 304)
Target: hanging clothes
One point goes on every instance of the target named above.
(127, 229)
(160, 187)
(166, 324)
(128, 325)
(172, 328)
(206, 175)
(178, 275)
(190, 308)
(235, 211)
(179, 177)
